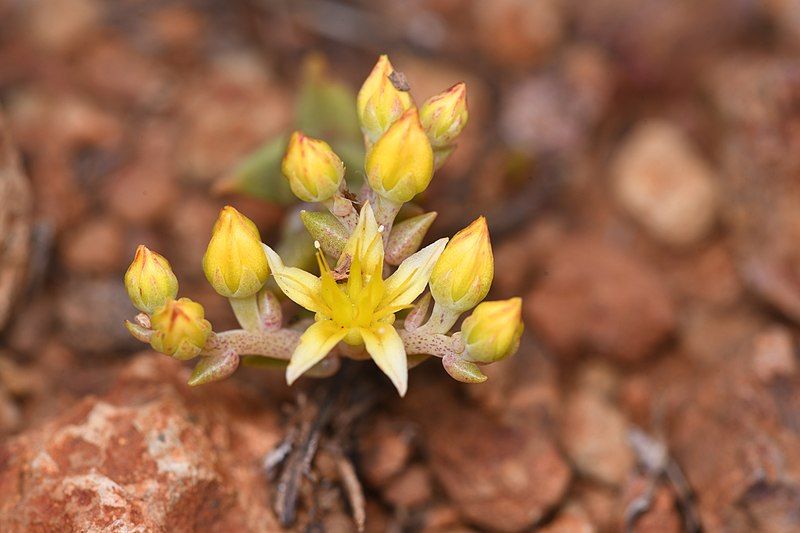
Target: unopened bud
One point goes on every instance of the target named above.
(444, 116)
(150, 281)
(314, 171)
(180, 329)
(379, 102)
(234, 262)
(492, 331)
(464, 272)
(400, 165)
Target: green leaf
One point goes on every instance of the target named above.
(326, 109)
(259, 174)
(263, 362)
(214, 368)
(326, 228)
(463, 371)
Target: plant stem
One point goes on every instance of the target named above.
(441, 320)
(278, 344)
(420, 342)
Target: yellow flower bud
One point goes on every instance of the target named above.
(379, 103)
(444, 116)
(464, 272)
(492, 331)
(181, 329)
(149, 280)
(234, 262)
(313, 170)
(400, 165)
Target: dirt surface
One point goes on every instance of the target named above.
(637, 160)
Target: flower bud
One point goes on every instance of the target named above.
(464, 272)
(234, 262)
(314, 171)
(181, 329)
(379, 102)
(400, 165)
(149, 280)
(492, 331)
(444, 116)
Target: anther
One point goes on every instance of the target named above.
(381, 228)
(317, 245)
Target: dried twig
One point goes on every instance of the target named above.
(657, 464)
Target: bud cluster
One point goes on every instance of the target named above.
(375, 282)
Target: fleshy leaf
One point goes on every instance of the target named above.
(259, 174)
(407, 236)
(326, 228)
(462, 371)
(214, 368)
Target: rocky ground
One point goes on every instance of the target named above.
(638, 163)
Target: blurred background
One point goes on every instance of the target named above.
(639, 165)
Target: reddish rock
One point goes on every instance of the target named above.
(517, 32)
(775, 355)
(149, 456)
(500, 476)
(230, 111)
(661, 515)
(60, 25)
(554, 111)
(91, 313)
(664, 184)
(594, 434)
(16, 204)
(410, 489)
(95, 247)
(569, 522)
(595, 297)
(384, 451)
(735, 438)
(144, 190)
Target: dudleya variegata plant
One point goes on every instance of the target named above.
(371, 292)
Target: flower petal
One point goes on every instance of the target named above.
(386, 349)
(366, 242)
(411, 277)
(300, 286)
(315, 343)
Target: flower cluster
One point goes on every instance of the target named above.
(376, 292)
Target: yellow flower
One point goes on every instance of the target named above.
(492, 331)
(400, 165)
(464, 272)
(361, 310)
(444, 116)
(149, 280)
(181, 329)
(234, 262)
(314, 171)
(379, 103)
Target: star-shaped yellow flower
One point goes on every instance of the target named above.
(361, 310)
